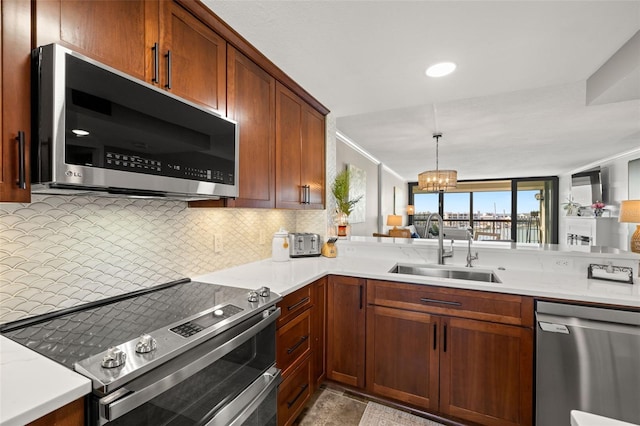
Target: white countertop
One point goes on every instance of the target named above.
(32, 385)
(539, 271)
(581, 418)
(536, 277)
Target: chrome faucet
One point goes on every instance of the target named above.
(470, 258)
(442, 253)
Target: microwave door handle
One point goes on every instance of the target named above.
(248, 401)
(145, 388)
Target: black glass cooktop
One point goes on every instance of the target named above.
(69, 337)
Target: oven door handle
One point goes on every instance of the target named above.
(238, 411)
(146, 387)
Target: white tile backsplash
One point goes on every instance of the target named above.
(57, 252)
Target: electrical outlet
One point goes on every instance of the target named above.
(217, 243)
(563, 263)
(261, 237)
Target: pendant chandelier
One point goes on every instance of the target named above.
(437, 180)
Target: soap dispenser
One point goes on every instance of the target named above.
(280, 246)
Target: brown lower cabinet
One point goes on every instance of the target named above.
(464, 354)
(300, 348)
(71, 414)
(346, 330)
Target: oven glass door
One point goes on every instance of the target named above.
(238, 385)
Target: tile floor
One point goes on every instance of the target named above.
(332, 405)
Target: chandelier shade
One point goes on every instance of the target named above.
(437, 180)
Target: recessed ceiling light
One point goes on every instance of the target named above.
(441, 69)
(80, 132)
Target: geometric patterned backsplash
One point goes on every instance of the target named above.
(61, 251)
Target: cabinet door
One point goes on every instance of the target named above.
(402, 356)
(15, 60)
(319, 317)
(251, 102)
(288, 149)
(313, 159)
(346, 330)
(193, 58)
(486, 372)
(118, 33)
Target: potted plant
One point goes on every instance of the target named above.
(344, 206)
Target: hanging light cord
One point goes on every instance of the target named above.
(437, 135)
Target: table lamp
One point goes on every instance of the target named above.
(630, 213)
(394, 220)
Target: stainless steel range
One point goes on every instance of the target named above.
(183, 353)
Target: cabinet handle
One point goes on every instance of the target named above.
(442, 302)
(444, 343)
(297, 345)
(295, 305)
(360, 295)
(435, 336)
(305, 194)
(168, 56)
(304, 388)
(156, 63)
(22, 182)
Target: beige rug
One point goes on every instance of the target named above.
(380, 415)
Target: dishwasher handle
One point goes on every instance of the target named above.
(556, 323)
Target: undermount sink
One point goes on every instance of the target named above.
(443, 271)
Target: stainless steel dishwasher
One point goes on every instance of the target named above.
(587, 359)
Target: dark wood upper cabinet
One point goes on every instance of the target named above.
(155, 40)
(118, 33)
(251, 102)
(15, 60)
(196, 68)
(300, 153)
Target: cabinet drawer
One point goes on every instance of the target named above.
(488, 306)
(293, 393)
(293, 342)
(294, 303)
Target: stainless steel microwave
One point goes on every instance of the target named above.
(99, 131)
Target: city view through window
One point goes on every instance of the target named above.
(489, 214)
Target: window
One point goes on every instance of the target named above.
(488, 208)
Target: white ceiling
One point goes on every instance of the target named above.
(514, 107)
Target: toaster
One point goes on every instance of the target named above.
(304, 244)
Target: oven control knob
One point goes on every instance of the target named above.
(253, 296)
(146, 344)
(114, 357)
(264, 292)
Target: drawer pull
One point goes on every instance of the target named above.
(304, 388)
(297, 345)
(442, 302)
(445, 338)
(22, 181)
(435, 336)
(156, 64)
(295, 305)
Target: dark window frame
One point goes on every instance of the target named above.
(514, 201)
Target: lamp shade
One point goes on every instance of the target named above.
(411, 209)
(394, 220)
(437, 180)
(630, 211)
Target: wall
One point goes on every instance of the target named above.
(393, 197)
(62, 251)
(618, 190)
(346, 155)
